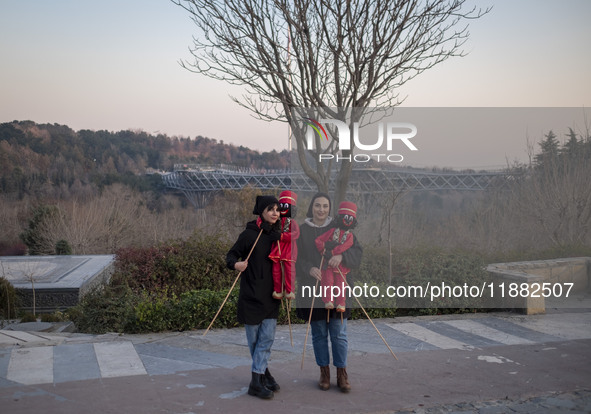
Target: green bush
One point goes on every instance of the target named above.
(105, 309)
(177, 267)
(374, 313)
(282, 319)
(34, 236)
(421, 267)
(62, 247)
(374, 266)
(8, 300)
(28, 317)
(191, 310)
(435, 267)
(174, 286)
(181, 285)
(56, 316)
(380, 306)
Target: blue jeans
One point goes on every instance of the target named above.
(338, 340)
(260, 340)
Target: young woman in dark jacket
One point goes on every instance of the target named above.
(308, 272)
(257, 309)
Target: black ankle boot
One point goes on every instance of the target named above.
(270, 382)
(257, 387)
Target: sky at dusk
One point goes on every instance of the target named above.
(114, 65)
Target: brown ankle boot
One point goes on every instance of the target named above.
(324, 382)
(343, 380)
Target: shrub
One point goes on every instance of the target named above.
(374, 313)
(181, 285)
(12, 249)
(434, 267)
(374, 265)
(62, 247)
(191, 310)
(56, 316)
(105, 309)
(28, 317)
(380, 306)
(177, 267)
(422, 267)
(35, 236)
(8, 299)
(293, 318)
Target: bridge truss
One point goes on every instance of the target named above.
(200, 183)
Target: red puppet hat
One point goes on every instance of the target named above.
(347, 207)
(288, 197)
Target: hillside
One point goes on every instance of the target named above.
(36, 156)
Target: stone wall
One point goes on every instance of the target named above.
(547, 281)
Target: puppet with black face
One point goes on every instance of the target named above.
(284, 253)
(333, 243)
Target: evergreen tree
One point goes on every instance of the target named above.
(549, 151)
(62, 247)
(33, 236)
(572, 148)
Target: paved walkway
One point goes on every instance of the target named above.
(488, 363)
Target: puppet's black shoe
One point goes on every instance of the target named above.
(270, 382)
(257, 387)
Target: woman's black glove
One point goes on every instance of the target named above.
(272, 230)
(274, 235)
(266, 227)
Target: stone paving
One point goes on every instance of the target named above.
(103, 356)
(567, 402)
(465, 363)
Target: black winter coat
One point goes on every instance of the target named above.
(255, 301)
(309, 257)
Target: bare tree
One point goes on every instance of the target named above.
(116, 218)
(556, 199)
(388, 202)
(338, 57)
(31, 270)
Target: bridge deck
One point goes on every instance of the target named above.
(199, 183)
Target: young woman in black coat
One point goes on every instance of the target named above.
(257, 309)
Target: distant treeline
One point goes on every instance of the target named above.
(34, 156)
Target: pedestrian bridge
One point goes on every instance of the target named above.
(199, 182)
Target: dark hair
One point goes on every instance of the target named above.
(310, 214)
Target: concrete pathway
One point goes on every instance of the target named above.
(443, 361)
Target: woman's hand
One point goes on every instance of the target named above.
(316, 273)
(241, 266)
(335, 261)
